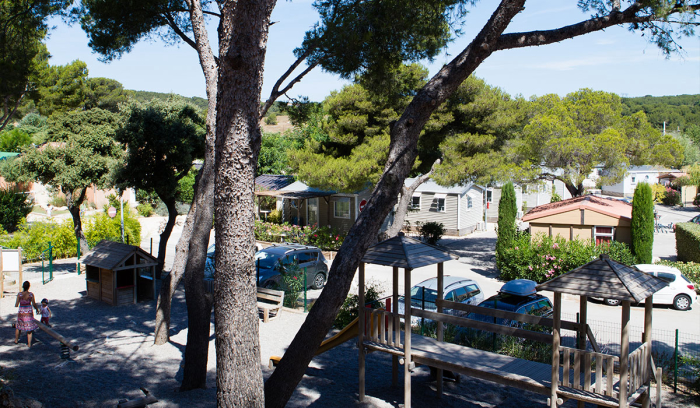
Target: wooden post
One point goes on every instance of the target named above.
(440, 333)
(583, 321)
(19, 262)
(556, 327)
(361, 328)
(153, 275)
(136, 286)
(397, 326)
(407, 340)
(624, 353)
(648, 305)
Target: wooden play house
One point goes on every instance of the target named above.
(584, 373)
(120, 274)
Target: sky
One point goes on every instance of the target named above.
(615, 60)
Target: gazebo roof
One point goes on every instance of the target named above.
(607, 279)
(112, 255)
(406, 252)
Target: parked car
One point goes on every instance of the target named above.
(695, 219)
(269, 259)
(680, 292)
(519, 296)
(455, 289)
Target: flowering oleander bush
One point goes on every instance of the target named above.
(325, 237)
(292, 284)
(544, 258)
(672, 197)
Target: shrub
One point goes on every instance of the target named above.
(658, 192)
(431, 232)
(14, 206)
(185, 187)
(672, 197)
(688, 242)
(271, 119)
(507, 211)
(35, 238)
(101, 226)
(292, 283)
(555, 196)
(642, 225)
(322, 237)
(348, 311)
(275, 217)
(144, 210)
(58, 200)
(544, 258)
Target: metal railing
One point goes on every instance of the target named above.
(44, 280)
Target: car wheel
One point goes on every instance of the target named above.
(270, 284)
(681, 302)
(611, 302)
(319, 281)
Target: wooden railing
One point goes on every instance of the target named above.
(382, 327)
(639, 369)
(597, 370)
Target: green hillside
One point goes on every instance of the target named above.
(144, 96)
(678, 111)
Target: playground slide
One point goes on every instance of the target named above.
(350, 331)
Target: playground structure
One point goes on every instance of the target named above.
(347, 333)
(120, 274)
(10, 261)
(575, 373)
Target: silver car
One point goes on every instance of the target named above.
(455, 289)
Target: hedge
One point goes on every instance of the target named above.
(544, 258)
(688, 242)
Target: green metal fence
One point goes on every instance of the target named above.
(47, 253)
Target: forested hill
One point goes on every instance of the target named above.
(144, 96)
(677, 111)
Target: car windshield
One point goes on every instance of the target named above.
(266, 260)
(420, 293)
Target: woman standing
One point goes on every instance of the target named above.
(25, 315)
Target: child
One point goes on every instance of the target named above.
(45, 311)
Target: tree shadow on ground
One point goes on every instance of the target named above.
(116, 355)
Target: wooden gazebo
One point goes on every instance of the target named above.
(120, 274)
(604, 278)
(575, 373)
(407, 253)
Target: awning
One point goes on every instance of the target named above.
(294, 195)
(440, 195)
(417, 194)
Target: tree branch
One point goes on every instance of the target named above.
(536, 38)
(276, 93)
(180, 33)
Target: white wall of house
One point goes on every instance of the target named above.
(635, 175)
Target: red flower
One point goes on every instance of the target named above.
(295, 278)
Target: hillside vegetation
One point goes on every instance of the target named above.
(679, 111)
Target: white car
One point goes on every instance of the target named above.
(455, 289)
(680, 292)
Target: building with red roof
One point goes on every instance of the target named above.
(587, 217)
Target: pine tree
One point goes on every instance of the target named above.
(642, 223)
(507, 210)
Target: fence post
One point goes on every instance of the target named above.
(578, 333)
(675, 365)
(305, 290)
(493, 335)
(422, 306)
(50, 261)
(150, 250)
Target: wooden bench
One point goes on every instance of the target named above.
(270, 301)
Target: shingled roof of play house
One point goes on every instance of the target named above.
(111, 255)
(406, 252)
(607, 279)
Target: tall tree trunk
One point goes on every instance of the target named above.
(172, 280)
(405, 202)
(402, 153)
(73, 203)
(199, 303)
(165, 235)
(243, 31)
